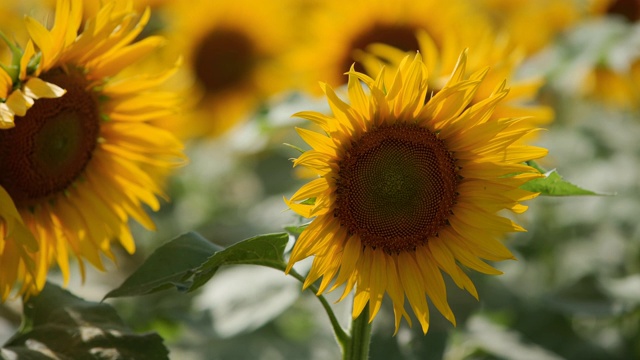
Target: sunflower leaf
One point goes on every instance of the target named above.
(171, 265)
(59, 325)
(553, 184)
(296, 229)
(265, 250)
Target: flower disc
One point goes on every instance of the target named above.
(224, 59)
(396, 186)
(51, 145)
(400, 36)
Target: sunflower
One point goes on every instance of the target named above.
(409, 186)
(492, 51)
(614, 79)
(614, 87)
(337, 30)
(78, 154)
(232, 51)
(533, 24)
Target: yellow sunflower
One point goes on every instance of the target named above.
(408, 187)
(614, 87)
(608, 81)
(491, 51)
(78, 155)
(337, 30)
(532, 24)
(231, 51)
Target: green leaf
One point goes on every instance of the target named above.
(266, 250)
(59, 325)
(171, 265)
(553, 184)
(296, 229)
(189, 261)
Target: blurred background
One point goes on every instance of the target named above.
(573, 293)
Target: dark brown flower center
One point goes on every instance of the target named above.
(396, 187)
(225, 58)
(402, 37)
(48, 149)
(629, 9)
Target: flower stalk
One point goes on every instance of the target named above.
(358, 345)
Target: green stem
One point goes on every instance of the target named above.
(358, 347)
(341, 335)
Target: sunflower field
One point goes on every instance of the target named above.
(320, 179)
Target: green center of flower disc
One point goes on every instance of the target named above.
(51, 145)
(224, 59)
(396, 187)
(402, 37)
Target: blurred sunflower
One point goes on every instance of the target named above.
(615, 77)
(78, 156)
(232, 51)
(409, 186)
(337, 30)
(532, 24)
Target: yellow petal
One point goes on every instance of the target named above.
(434, 283)
(312, 189)
(19, 103)
(413, 285)
(37, 88)
(318, 141)
(43, 40)
(377, 280)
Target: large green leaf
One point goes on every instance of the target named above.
(189, 261)
(59, 325)
(171, 265)
(552, 184)
(266, 250)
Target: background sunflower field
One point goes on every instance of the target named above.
(245, 66)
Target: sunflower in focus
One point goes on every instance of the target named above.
(232, 51)
(338, 30)
(409, 186)
(79, 156)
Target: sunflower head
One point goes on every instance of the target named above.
(409, 185)
(232, 56)
(79, 149)
(336, 31)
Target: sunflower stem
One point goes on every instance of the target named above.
(358, 347)
(341, 336)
